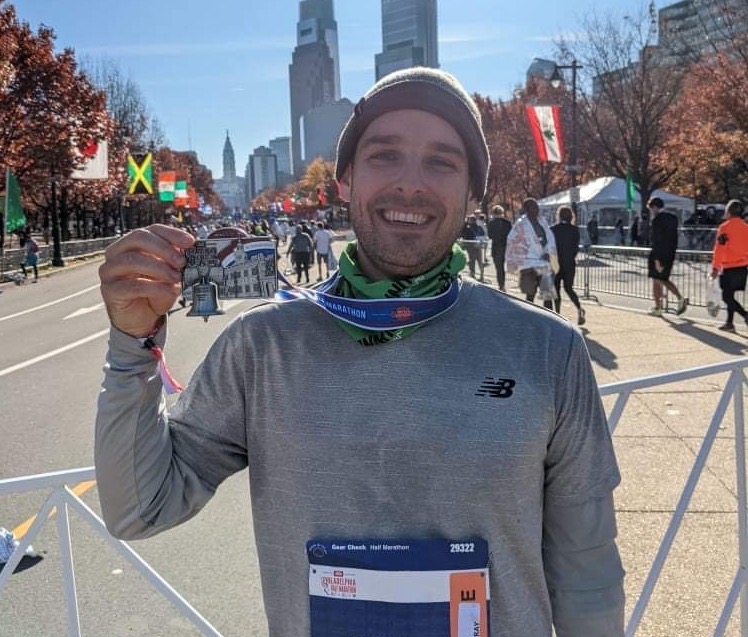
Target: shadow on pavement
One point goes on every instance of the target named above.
(712, 338)
(600, 354)
(27, 561)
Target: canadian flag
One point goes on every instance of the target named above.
(545, 124)
(95, 156)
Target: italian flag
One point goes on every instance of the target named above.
(545, 124)
(180, 193)
(166, 185)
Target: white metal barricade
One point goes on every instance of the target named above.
(733, 392)
(62, 498)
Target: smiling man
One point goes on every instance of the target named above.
(443, 479)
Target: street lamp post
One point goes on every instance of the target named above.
(556, 81)
(56, 238)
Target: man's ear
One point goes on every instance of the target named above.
(344, 184)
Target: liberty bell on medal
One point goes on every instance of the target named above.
(205, 300)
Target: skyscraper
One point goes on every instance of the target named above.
(229, 161)
(409, 36)
(314, 73)
(281, 148)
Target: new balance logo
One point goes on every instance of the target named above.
(496, 387)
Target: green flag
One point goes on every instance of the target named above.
(140, 174)
(13, 210)
(630, 192)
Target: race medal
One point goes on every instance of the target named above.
(229, 264)
(398, 588)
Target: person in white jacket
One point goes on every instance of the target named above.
(531, 251)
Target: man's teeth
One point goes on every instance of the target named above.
(405, 217)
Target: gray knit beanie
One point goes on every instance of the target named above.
(424, 89)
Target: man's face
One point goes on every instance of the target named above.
(408, 188)
(654, 209)
(532, 210)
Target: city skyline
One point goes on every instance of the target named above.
(202, 73)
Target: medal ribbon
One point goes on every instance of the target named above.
(377, 315)
(381, 311)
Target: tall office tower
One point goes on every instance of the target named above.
(409, 36)
(229, 161)
(314, 73)
(263, 170)
(281, 147)
(317, 24)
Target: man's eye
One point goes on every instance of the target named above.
(441, 162)
(383, 155)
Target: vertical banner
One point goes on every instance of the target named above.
(140, 174)
(166, 185)
(13, 209)
(95, 158)
(545, 125)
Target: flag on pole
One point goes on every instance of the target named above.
(630, 192)
(95, 158)
(167, 185)
(140, 174)
(180, 193)
(13, 209)
(545, 124)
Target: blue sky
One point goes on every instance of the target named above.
(212, 66)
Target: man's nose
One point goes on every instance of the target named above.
(411, 178)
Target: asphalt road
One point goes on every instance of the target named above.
(53, 338)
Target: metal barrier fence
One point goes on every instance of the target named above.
(622, 271)
(62, 498)
(733, 392)
(12, 257)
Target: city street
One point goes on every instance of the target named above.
(53, 337)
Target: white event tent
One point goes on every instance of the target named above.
(606, 197)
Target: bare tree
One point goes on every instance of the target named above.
(627, 88)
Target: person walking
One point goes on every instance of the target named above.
(322, 246)
(471, 236)
(300, 250)
(498, 231)
(593, 231)
(730, 261)
(531, 251)
(453, 443)
(662, 256)
(566, 235)
(31, 257)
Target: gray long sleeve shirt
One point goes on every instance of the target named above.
(415, 438)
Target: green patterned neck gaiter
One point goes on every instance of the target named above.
(353, 284)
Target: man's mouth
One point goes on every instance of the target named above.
(408, 218)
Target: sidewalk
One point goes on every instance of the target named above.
(656, 442)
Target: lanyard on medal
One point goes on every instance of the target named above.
(377, 315)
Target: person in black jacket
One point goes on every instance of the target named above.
(498, 230)
(566, 234)
(662, 255)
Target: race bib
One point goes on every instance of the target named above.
(403, 588)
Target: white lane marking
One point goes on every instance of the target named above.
(41, 307)
(84, 310)
(54, 352)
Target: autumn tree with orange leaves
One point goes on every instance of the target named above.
(46, 106)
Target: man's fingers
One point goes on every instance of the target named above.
(124, 291)
(132, 264)
(163, 242)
